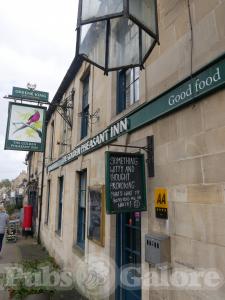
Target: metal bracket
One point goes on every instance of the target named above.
(92, 117)
(20, 100)
(149, 149)
(134, 147)
(64, 109)
(64, 116)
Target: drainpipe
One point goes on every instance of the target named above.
(42, 187)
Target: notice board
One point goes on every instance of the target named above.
(125, 182)
(96, 214)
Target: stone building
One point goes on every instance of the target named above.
(18, 188)
(178, 100)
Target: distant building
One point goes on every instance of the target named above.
(18, 189)
(4, 194)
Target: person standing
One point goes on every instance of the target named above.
(4, 219)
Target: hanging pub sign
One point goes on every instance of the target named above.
(125, 182)
(96, 214)
(25, 128)
(29, 94)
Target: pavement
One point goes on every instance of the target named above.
(28, 249)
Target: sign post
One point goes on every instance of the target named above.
(125, 182)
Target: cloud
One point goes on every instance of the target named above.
(11, 162)
(37, 45)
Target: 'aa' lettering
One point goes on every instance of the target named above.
(161, 200)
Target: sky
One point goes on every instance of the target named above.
(37, 45)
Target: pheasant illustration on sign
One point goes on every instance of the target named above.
(34, 118)
(25, 128)
(26, 123)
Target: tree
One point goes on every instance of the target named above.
(5, 183)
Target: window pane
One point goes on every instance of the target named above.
(136, 72)
(144, 12)
(121, 91)
(60, 203)
(136, 90)
(92, 42)
(82, 209)
(131, 93)
(147, 42)
(124, 43)
(128, 97)
(48, 201)
(85, 91)
(128, 92)
(99, 8)
(83, 179)
(84, 122)
(85, 108)
(85, 99)
(83, 199)
(128, 77)
(83, 224)
(52, 140)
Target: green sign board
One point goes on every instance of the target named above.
(21, 93)
(25, 128)
(125, 182)
(207, 80)
(106, 136)
(200, 84)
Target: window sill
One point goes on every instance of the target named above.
(58, 234)
(78, 250)
(126, 111)
(83, 139)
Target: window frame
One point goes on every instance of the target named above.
(60, 204)
(48, 201)
(52, 140)
(85, 106)
(122, 88)
(82, 210)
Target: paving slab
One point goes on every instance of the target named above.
(28, 249)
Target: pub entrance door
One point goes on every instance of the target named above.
(128, 256)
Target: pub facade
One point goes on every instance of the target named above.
(135, 163)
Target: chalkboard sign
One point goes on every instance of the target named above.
(96, 214)
(125, 182)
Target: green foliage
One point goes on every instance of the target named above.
(21, 290)
(5, 183)
(10, 209)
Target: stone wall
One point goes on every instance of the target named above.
(189, 150)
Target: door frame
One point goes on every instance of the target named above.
(121, 293)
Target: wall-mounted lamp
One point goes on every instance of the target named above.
(116, 34)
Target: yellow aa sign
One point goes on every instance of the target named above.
(161, 203)
(161, 198)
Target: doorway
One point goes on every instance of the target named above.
(128, 256)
